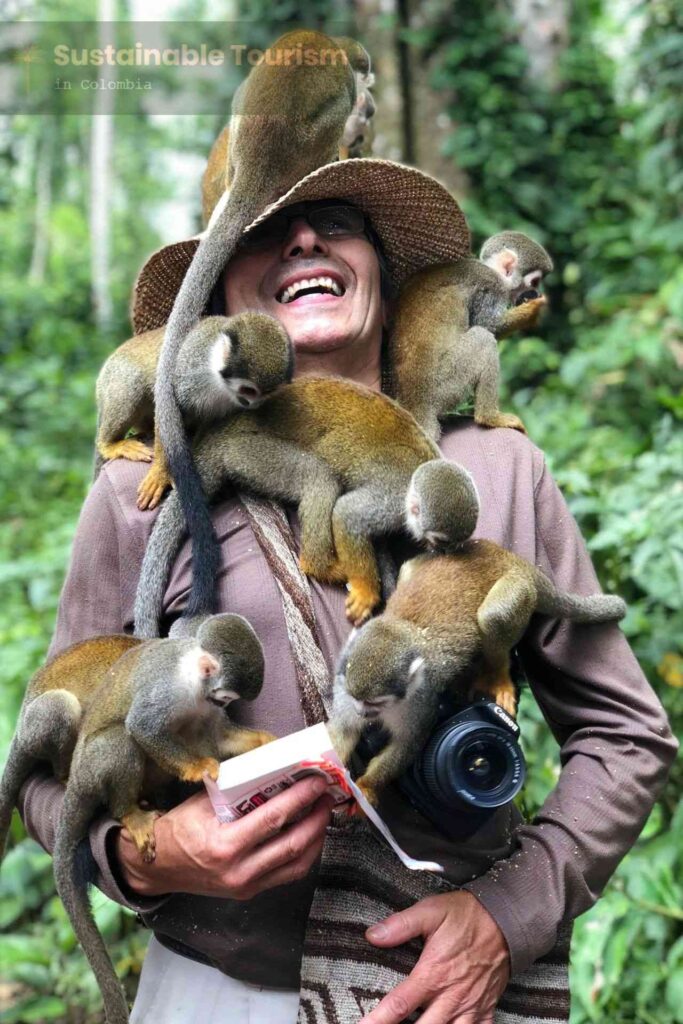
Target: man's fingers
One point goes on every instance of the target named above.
(290, 845)
(292, 872)
(400, 1002)
(269, 820)
(445, 1010)
(421, 919)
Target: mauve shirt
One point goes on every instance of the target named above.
(615, 742)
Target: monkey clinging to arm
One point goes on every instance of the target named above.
(447, 320)
(159, 715)
(288, 119)
(225, 364)
(55, 700)
(449, 626)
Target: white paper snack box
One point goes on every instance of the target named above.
(249, 780)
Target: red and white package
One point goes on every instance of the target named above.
(249, 780)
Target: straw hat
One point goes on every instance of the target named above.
(415, 216)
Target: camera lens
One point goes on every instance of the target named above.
(472, 763)
(484, 765)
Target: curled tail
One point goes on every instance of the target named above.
(594, 608)
(216, 248)
(73, 874)
(162, 547)
(18, 768)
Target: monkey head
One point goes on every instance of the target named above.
(232, 363)
(231, 644)
(442, 504)
(520, 262)
(381, 665)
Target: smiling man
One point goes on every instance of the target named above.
(230, 904)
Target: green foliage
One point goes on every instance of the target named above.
(591, 163)
(40, 959)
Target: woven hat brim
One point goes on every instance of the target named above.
(417, 219)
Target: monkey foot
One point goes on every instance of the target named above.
(140, 824)
(502, 419)
(363, 597)
(368, 790)
(259, 739)
(129, 448)
(194, 771)
(323, 571)
(152, 487)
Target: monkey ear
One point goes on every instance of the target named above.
(504, 262)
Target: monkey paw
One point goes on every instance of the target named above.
(129, 448)
(152, 487)
(368, 790)
(194, 771)
(328, 571)
(140, 824)
(361, 600)
(501, 693)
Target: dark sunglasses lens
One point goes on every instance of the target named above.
(271, 232)
(337, 220)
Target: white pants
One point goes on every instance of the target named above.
(175, 990)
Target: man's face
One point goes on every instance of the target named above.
(318, 322)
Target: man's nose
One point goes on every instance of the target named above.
(302, 240)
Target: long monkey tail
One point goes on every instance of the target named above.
(168, 532)
(17, 769)
(577, 607)
(72, 877)
(216, 248)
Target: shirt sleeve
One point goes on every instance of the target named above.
(616, 748)
(91, 604)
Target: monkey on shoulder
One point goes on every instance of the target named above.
(448, 319)
(225, 365)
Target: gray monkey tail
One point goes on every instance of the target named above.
(576, 607)
(17, 769)
(162, 547)
(214, 251)
(74, 871)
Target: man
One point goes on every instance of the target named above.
(241, 893)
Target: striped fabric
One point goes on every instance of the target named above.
(361, 880)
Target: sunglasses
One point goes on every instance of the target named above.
(338, 220)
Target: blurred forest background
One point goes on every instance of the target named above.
(562, 118)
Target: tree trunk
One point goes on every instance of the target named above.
(101, 138)
(41, 231)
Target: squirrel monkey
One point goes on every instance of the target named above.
(354, 142)
(447, 320)
(289, 117)
(225, 364)
(159, 715)
(449, 626)
(340, 452)
(56, 698)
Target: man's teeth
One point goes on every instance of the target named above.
(325, 284)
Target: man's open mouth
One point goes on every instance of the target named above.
(310, 286)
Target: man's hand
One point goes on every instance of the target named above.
(195, 853)
(463, 969)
